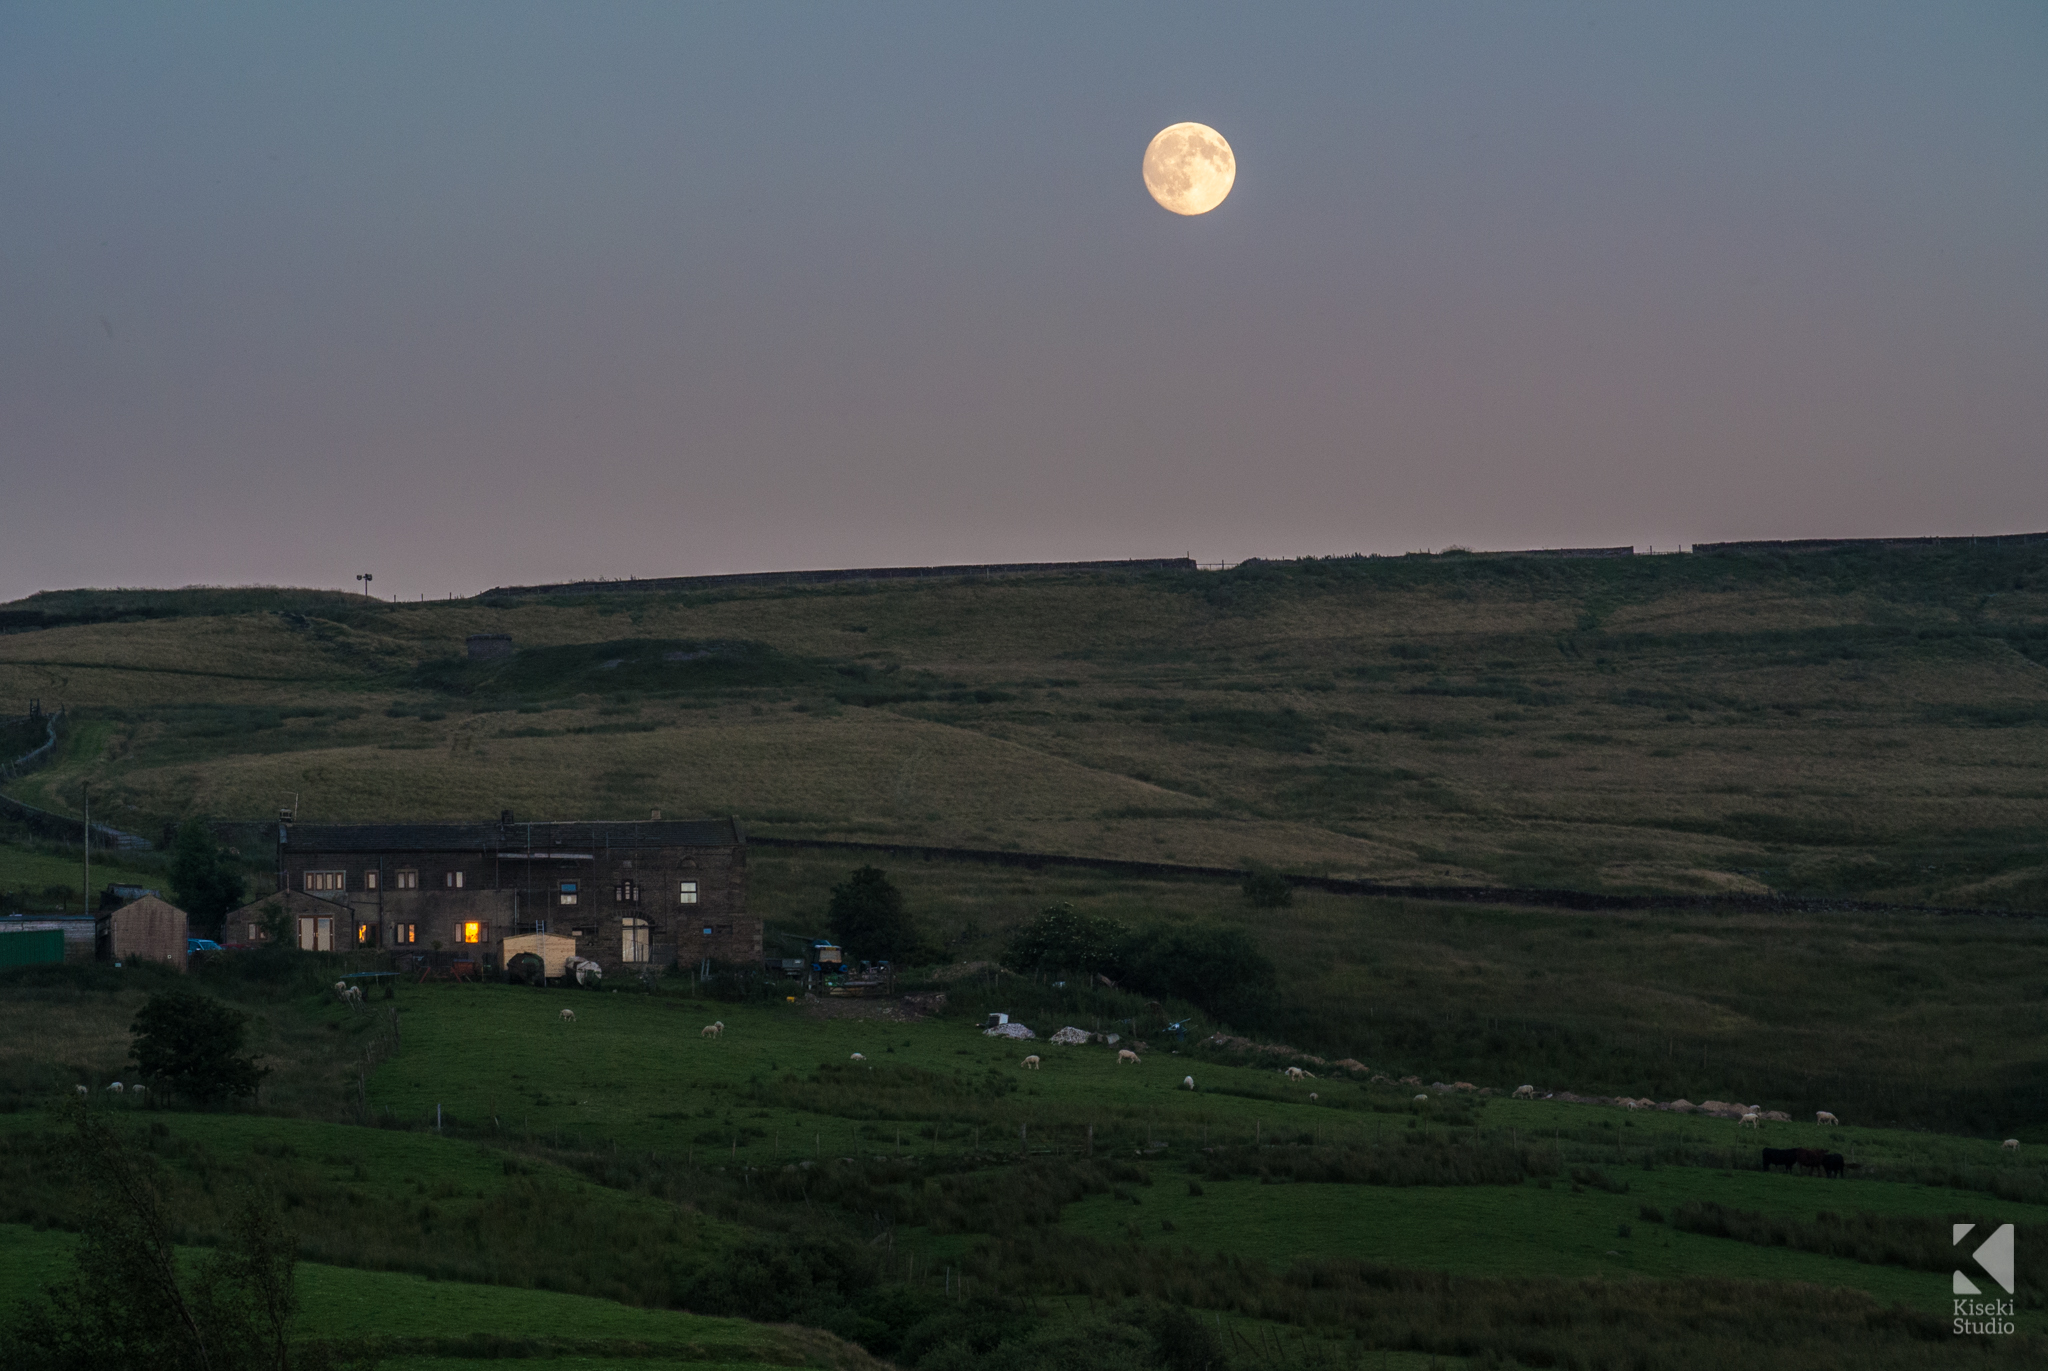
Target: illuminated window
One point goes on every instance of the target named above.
(688, 893)
(407, 880)
(366, 935)
(370, 880)
(567, 894)
(403, 935)
(326, 880)
(625, 892)
(472, 932)
(453, 880)
(633, 940)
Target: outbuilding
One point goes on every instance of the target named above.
(150, 929)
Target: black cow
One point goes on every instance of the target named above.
(1779, 1156)
(1811, 1159)
(1832, 1164)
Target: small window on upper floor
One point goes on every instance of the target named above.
(453, 880)
(370, 879)
(326, 880)
(687, 894)
(625, 892)
(567, 893)
(407, 880)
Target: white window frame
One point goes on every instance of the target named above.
(568, 892)
(686, 892)
(407, 880)
(636, 941)
(324, 880)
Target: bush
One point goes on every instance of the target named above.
(1063, 938)
(1219, 969)
(187, 1042)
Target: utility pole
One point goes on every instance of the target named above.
(366, 578)
(85, 905)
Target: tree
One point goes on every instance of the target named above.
(205, 880)
(1063, 938)
(868, 918)
(1267, 888)
(188, 1041)
(128, 1302)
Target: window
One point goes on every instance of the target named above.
(404, 935)
(625, 892)
(326, 880)
(366, 935)
(407, 880)
(473, 932)
(567, 894)
(316, 933)
(453, 880)
(633, 940)
(688, 893)
(370, 880)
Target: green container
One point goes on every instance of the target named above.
(31, 946)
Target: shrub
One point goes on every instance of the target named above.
(187, 1041)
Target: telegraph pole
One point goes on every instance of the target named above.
(85, 905)
(366, 578)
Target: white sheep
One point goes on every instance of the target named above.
(1421, 1097)
(1124, 1054)
(354, 997)
(2011, 1144)
(83, 1092)
(1313, 1097)
(568, 1016)
(1752, 1120)
(859, 1057)
(711, 1030)
(1292, 1073)
(1822, 1116)
(1525, 1092)
(138, 1089)
(341, 989)
(1188, 1081)
(1031, 1062)
(115, 1088)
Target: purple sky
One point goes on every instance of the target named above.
(473, 294)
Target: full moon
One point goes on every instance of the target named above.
(1189, 168)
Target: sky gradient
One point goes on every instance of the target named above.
(478, 294)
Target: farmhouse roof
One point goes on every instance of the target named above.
(514, 838)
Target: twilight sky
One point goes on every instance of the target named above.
(477, 294)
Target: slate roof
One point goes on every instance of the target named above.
(515, 837)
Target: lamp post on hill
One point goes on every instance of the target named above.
(366, 578)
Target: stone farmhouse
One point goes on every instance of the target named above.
(634, 896)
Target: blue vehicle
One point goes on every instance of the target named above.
(195, 946)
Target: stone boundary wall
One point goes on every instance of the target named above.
(1342, 885)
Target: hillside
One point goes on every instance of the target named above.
(1862, 721)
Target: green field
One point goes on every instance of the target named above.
(625, 1157)
(1862, 722)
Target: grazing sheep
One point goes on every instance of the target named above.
(712, 1030)
(1292, 1073)
(1124, 1054)
(1822, 1116)
(354, 996)
(1188, 1081)
(1752, 1121)
(1313, 1097)
(341, 989)
(568, 1016)
(115, 1088)
(1525, 1092)
(1031, 1062)
(2011, 1144)
(138, 1089)
(858, 1057)
(82, 1091)
(1422, 1097)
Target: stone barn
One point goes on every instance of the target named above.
(146, 930)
